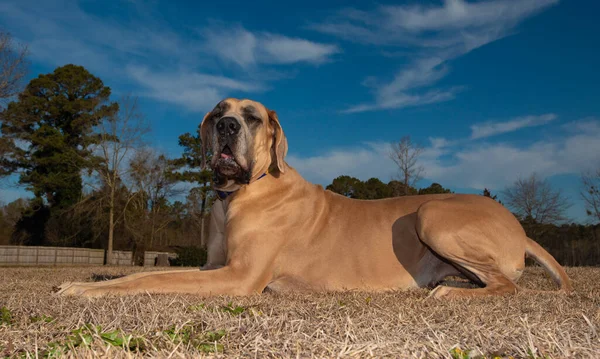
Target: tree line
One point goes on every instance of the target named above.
(96, 182)
(85, 158)
(92, 175)
(541, 209)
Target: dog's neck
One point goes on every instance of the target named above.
(231, 187)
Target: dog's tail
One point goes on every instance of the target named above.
(540, 255)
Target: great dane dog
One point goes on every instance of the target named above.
(283, 233)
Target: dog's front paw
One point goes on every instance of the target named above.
(71, 289)
(440, 292)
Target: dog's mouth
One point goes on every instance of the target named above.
(226, 153)
(226, 165)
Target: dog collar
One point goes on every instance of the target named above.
(222, 195)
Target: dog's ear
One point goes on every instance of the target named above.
(280, 145)
(205, 131)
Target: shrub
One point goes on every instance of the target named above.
(191, 256)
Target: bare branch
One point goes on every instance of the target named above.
(590, 193)
(150, 211)
(406, 154)
(13, 66)
(534, 199)
(120, 135)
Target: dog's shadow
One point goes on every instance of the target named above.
(405, 241)
(102, 277)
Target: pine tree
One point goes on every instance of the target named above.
(50, 129)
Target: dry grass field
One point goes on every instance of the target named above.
(35, 323)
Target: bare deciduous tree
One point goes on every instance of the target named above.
(119, 136)
(13, 66)
(406, 154)
(195, 205)
(148, 213)
(534, 199)
(591, 193)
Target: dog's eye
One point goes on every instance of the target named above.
(252, 118)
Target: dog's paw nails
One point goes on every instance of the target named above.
(439, 292)
(59, 289)
(69, 288)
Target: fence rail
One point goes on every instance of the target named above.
(32, 256)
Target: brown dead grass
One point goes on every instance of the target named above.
(356, 324)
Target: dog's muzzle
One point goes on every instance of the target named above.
(226, 165)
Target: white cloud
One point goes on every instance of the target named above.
(177, 68)
(588, 124)
(435, 34)
(286, 50)
(452, 23)
(368, 160)
(236, 45)
(460, 14)
(245, 48)
(489, 129)
(466, 164)
(61, 32)
(398, 93)
(493, 165)
(192, 90)
(402, 100)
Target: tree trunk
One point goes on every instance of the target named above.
(406, 178)
(202, 239)
(111, 227)
(152, 228)
(162, 260)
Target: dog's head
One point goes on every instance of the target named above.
(245, 139)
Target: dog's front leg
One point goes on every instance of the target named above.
(216, 246)
(223, 281)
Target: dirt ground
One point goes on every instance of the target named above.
(36, 323)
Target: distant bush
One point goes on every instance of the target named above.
(191, 256)
(570, 244)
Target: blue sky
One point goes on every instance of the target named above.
(492, 89)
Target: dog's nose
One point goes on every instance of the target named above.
(228, 126)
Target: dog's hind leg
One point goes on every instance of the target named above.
(495, 283)
(468, 242)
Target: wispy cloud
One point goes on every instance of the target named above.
(465, 163)
(452, 23)
(192, 90)
(285, 50)
(435, 34)
(363, 161)
(59, 31)
(489, 129)
(244, 48)
(496, 165)
(180, 69)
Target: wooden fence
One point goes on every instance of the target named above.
(32, 256)
(150, 257)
